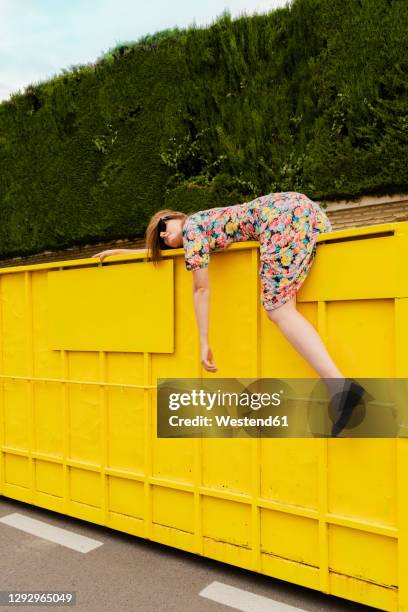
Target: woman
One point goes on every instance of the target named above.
(286, 224)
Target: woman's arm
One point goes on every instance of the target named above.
(123, 251)
(201, 298)
(110, 252)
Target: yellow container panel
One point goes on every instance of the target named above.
(103, 309)
(81, 349)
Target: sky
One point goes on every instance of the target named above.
(39, 38)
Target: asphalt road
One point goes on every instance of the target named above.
(121, 572)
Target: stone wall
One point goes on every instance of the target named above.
(368, 210)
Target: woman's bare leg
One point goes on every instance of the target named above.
(305, 339)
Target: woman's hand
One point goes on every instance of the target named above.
(207, 359)
(103, 254)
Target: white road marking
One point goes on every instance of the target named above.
(43, 530)
(243, 600)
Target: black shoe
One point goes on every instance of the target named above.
(348, 400)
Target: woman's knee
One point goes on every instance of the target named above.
(276, 314)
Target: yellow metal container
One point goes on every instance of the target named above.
(82, 347)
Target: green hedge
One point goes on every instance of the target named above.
(311, 97)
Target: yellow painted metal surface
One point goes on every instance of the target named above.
(95, 311)
(82, 346)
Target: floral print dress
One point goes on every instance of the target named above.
(286, 224)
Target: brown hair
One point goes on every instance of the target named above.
(152, 235)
